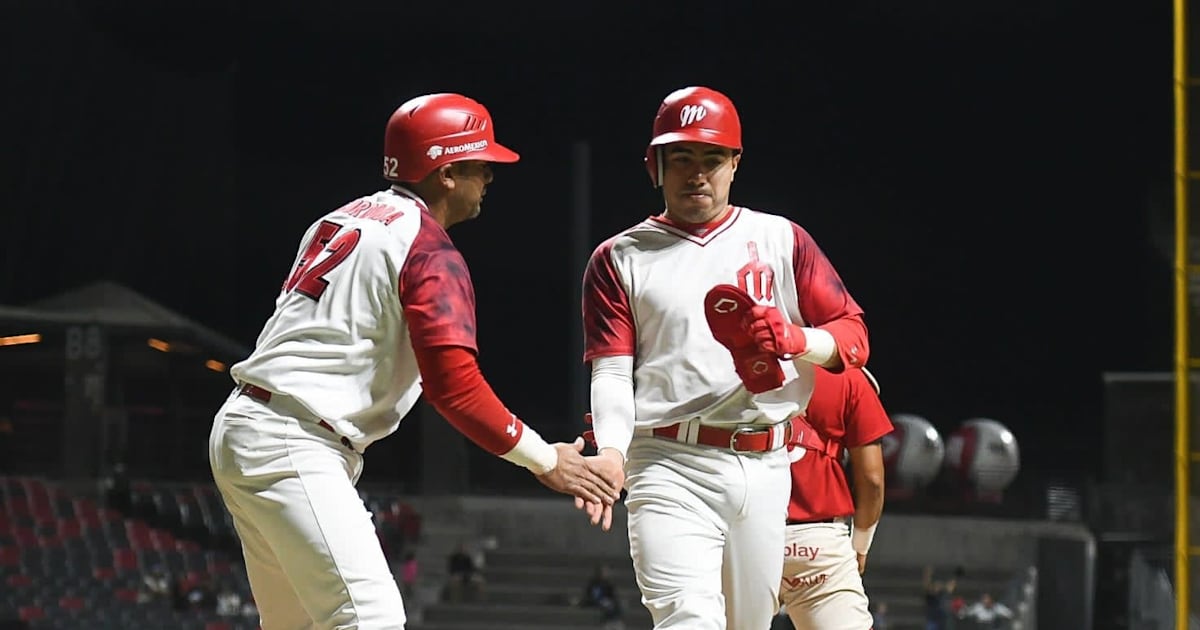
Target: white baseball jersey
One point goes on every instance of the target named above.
(371, 280)
(644, 296)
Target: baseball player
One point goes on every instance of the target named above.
(377, 308)
(703, 325)
(823, 562)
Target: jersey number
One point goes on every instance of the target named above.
(309, 279)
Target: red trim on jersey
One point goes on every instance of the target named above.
(824, 301)
(454, 385)
(436, 292)
(844, 408)
(608, 328)
(699, 233)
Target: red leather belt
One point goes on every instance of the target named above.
(262, 395)
(743, 439)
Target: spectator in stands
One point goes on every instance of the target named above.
(409, 573)
(201, 594)
(879, 616)
(465, 580)
(117, 489)
(229, 601)
(156, 585)
(601, 593)
(249, 608)
(987, 613)
(937, 601)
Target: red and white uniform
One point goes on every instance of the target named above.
(821, 586)
(377, 296)
(705, 524)
(346, 355)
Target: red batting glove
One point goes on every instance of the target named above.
(773, 334)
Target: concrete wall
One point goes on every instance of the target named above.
(554, 523)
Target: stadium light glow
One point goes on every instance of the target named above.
(19, 340)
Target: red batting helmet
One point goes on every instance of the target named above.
(693, 114)
(429, 131)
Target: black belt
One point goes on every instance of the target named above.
(262, 395)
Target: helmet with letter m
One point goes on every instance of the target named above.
(692, 114)
(430, 131)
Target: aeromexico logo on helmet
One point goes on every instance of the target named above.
(691, 113)
(436, 151)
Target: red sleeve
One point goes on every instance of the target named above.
(454, 385)
(824, 301)
(608, 328)
(436, 291)
(866, 420)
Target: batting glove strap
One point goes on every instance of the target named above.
(861, 539)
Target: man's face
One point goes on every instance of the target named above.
(471, 178)
(696, 180)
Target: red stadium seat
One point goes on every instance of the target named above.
(30, 613)
(71, 603)
(125, 559)
(17, 580)
(103, 573)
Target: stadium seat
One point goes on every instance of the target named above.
(17, 580)
(71, 603)
(30, 613)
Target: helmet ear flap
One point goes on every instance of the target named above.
(654, 165)
(658, 162)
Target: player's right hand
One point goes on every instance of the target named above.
(572, 475)
(773, 334)
(610, 463)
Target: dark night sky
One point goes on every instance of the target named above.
(993, 182)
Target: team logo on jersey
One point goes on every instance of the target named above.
(756, 277)
(691, 113)
(436, 151)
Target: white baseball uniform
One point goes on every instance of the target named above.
(375, 284)
(821, 587)
(705, 523)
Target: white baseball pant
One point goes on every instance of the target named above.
(821, 587)
(311, 551)
(705, 528)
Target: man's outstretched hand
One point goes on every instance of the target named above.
(581, 477)
(610, 464)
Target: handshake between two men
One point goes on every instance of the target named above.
(752, 333)
(595, 481)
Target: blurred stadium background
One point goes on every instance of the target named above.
(109, 519)
(107, 403)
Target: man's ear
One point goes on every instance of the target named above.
(445, 175)
(737, 158)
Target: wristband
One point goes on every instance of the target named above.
(532, 452)
(861, 539)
